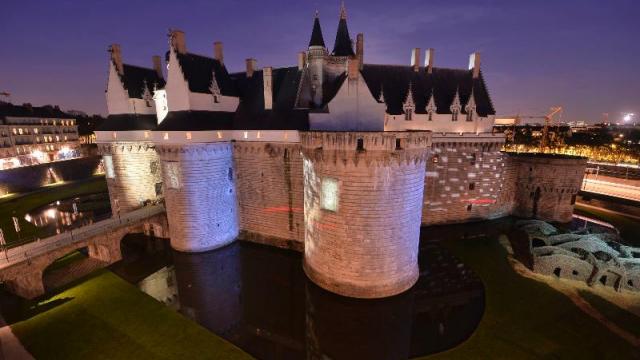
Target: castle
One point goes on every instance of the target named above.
(336, 158)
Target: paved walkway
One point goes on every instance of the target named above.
(10, 346)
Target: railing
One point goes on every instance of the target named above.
(24, 252)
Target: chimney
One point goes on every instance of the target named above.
(415, 59)
(157, 65)
(353, 68)
(474, 64)
(251, 66)
(116, 57)
(218, 54)
(302, 56)
(428, 60)
(360, 48)
(178, 42)
(268, 88)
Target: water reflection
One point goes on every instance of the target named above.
(62, 215)
(258, 298)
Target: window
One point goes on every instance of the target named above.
(473, 159)
(430, 115)
(398, 144)
(172, 174)
(216, 99)
(454, 116)
(360, 145)
(573, 199)
(230, 174)
(469, 207)
(470, 116)
(472, 186)
(436, 158)
(329, 195)
(108, 166)
(408, 114)
(148, 103)
(153, 167)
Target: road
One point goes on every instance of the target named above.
(620, 188)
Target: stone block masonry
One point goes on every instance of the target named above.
(547, 185)
(270, 193)
(200, 195)
(466, 181)
(362, 205)
(135, 175)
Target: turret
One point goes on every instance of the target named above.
(315, 60)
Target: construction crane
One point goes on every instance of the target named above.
(548, 119)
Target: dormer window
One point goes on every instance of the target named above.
(214, 88)
(455, 107)
(471, 107)
(431, 107)
(409, 106)
(408, 114)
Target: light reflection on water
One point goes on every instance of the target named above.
(258, 298)
(63, 215)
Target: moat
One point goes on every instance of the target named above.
(258, 298)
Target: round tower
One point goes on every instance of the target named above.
(362, 206)
(132, 171)
(200, 195)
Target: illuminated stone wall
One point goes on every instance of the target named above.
(367, 246)
(270, 193)
(136, 172)
(547, 185)
(466, 180)
(200, 195)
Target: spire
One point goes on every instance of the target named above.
(342, 45)
(455, 104)
(381, 97)
(431, 105)
(316, 33)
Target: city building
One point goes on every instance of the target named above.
(337, 158)
(32, 135)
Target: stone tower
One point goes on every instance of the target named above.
(362, 206)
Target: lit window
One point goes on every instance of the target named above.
(108, 166)
(188, 135)
(20, 131)
(329, 196)
(35, 130)
(172, 174)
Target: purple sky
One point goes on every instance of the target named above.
(581, 54)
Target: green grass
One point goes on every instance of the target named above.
(20, 205)
(105, 317)
(526, 319)
(617, 315)
(629, 228)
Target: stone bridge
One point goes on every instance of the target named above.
(21, 268)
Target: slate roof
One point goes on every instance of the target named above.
(135, 78)
(283, 116)
(26, 110)
(197, 121)
(316, 34)
(131, 122)
(198, 72)
(342, 45)
(442, 82)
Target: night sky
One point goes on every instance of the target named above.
(581, 54)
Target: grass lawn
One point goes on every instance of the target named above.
(614, 313)
(105, 317)
(526, 319)
(19, 205)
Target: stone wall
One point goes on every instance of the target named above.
(466, 180)
(200, 195)
(29, 178)
(270, 192)
(136, 174)
(367, 246)
(546, 185)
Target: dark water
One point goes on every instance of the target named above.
(258, 298)
(62, 215)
